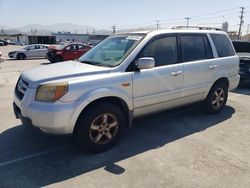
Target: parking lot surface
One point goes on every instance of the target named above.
(178, 148)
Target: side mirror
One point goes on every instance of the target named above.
(146, 63)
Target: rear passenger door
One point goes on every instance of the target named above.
(43, 51)
(199, 66)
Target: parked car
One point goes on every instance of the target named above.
(10, 42)
(1, 44)
(30, 51)
(67, 52)
(242, 49)
(1, 58)
(4, 42)
(127, 76)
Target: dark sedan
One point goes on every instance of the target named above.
(242, 49)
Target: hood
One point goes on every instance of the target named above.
(243, 55)
(64, 70)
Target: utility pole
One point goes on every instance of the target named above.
(241, 21)
(187, 18)
(248, 28)
(114, 29)
(158, 24)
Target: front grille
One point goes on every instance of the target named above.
(21, 88)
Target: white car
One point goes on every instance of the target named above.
(127, 76)
(30, 51)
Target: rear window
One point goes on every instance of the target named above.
(222, 45)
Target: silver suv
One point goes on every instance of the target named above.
(126, 76)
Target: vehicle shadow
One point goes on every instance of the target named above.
(242, 89)
(29, 158)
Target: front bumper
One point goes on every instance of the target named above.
(53, 118)
(12, 55)
(24, 120)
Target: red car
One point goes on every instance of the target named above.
(67, 52)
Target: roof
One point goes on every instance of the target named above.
(155, 32)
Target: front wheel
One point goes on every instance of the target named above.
(216, 98)
(100, 127)
(21, 56)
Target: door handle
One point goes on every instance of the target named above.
(176, 73)
(213, 66)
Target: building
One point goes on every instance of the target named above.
(246, 37)
(233, 35)
(95, 39)
(67, 36)
(74, 37)
(225, 26)
(41, 39)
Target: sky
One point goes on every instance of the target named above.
(124, 14)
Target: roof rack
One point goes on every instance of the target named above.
(196, 28)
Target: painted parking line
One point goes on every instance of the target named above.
(34, 155)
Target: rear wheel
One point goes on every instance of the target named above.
(216, 98)
(101, 127)
(21, 56)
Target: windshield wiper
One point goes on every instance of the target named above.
(95, 63)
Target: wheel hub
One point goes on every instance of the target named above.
(103, 129)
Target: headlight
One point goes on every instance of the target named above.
(51, 92)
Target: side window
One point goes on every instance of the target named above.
(80, 47)
(163, 50)
(31, 48)
(194, 48)
(222, 45)
(70, 48)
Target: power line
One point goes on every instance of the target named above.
(212, 13)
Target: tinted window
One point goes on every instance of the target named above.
(81, 47)
(31, 47)
(163, 50)
(194, 48)
(222, 45)
(242, 47)
(71, 47)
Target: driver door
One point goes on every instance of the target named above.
(160, 87)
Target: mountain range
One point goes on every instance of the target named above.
(58, 27)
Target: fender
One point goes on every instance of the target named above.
(99, 93)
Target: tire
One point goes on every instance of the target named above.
(21, 56)
(216, 98)
(100, 127)
(58, 59)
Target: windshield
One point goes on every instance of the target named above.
(112, 51)
(60, 47)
